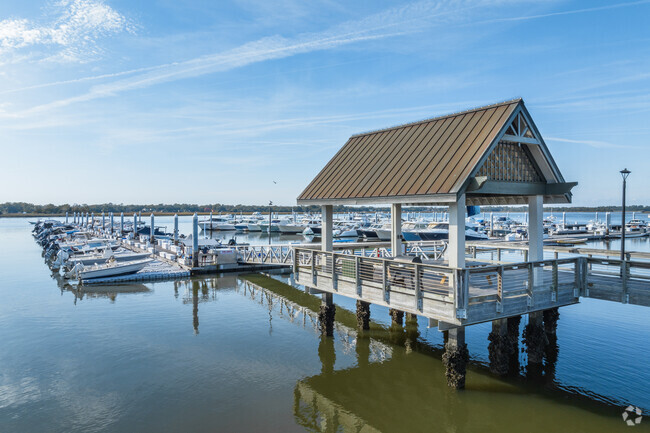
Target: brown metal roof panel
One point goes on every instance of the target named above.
(403, 170)
(391, 160)
(489, 139)
(372, 161)
(443, 168)
(420, 171)
(367, 161)
(336, 175)
(361, 163)
(328, 169)
(374, 175)
(338, 172)
(475, 144)
(472, 144)
(434, 167)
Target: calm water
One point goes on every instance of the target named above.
(217, 354)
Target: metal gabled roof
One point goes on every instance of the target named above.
(427, 158)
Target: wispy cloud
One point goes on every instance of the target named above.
(70, 35)
(591, 143)
(390, 23)
(569, 12)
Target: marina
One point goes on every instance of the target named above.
(325, 217)
(196, 317)
(453, 277)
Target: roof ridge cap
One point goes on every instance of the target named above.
(444, 116)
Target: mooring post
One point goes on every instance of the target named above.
(112, 221)
(92, 220)
(535, 339)
(103, 221)
(363, 314)
(151, 230)
(513, 324)
(211, 220)
(195, 241)
(500, 347)
(66, 217)
(135, 226)
(456, 357)
(491, 224)
(175, 229)
(397, 317)
(121, 223)
(326, 315)
(608, 222)
(550, 317)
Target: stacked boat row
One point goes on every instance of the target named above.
(80, 255)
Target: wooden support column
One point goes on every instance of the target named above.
(326, 315)
(396, 244)
(327, 234)
(536, 234)
(500, 347)
(455, 358)
(363, 315)
(535, 339)
(456, 248)
(536, 228)
(397, 317)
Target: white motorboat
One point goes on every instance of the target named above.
(346, 231)
(110, 269)
(217, 223)
(290, 228)
(92, 259)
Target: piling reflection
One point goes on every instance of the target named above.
(398, 383)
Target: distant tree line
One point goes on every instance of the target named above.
(18, 208)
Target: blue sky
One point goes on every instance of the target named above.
(207, 101)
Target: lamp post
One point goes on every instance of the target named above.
(270, 213)
(624, 173)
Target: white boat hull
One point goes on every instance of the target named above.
(120, 258)
(113, 270)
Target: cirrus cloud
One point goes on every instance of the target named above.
(71, 33)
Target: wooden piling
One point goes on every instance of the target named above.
(456, 357)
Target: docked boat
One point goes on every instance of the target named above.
(110, 269)
(93, 259)
(217, 223)
(287, 227)
(440, 231)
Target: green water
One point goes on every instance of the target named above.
(243, 353)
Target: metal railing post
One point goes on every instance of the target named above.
(335, 282)
(384, 280)
(554, 284)
(461, 292)
(295, 262)
(357, 271)
(313, 267)
(418, 293)
(531, 284)
(500, 289)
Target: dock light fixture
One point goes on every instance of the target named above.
(624, 173)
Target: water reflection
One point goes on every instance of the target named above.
(107, 291)
(404, 387)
